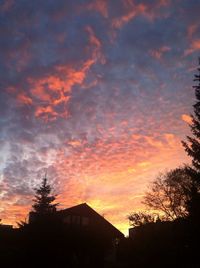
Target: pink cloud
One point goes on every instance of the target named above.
(158, 53)
(132, 12)
(95, 46)
(24, 99)
(195, 46)
(192, 29)
(52, 90)
(99, 5)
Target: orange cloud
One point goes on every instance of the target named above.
(186, 118)
(50, 91)
(46, 112)
(195, 46)
(96, 45)
(111, 176)
(74, 143)
(134, 11)
(12, 211)
(93, 39)
(24, 99)
(62, 82)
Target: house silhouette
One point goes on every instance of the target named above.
(83, 217)
(92, 239)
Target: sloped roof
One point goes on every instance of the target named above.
(85, 210)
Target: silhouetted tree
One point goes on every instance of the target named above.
(43, 235)
(192, 147)
(142, 218)
(175, 193)
(44, 200)
(170, 193)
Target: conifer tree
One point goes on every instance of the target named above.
(192, 147)
(44, 200)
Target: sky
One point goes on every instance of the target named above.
(98, 94)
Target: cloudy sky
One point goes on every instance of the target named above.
(96, 92)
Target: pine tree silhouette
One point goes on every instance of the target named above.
(44, 200)
(192, 147)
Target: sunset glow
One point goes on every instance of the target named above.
(99, 94)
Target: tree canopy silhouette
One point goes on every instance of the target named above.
(170, 193)
(44, 201)
(192, 147)
(176, 193)
(142, 218)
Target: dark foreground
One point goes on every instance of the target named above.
(161, 244)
